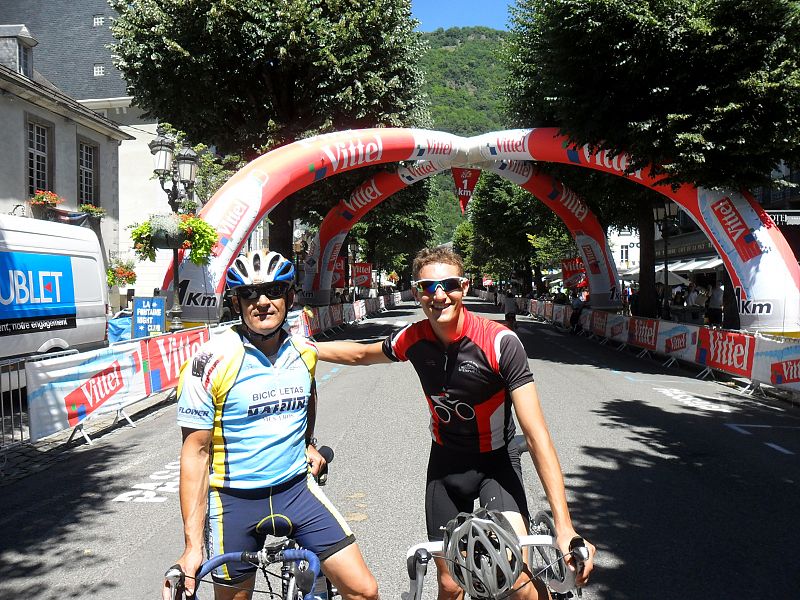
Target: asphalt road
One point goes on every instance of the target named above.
(687, 489)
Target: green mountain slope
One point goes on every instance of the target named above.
(463, 79)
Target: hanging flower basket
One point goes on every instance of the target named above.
(120, 272)
(42, 201)
(174, 231)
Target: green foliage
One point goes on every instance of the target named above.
(552, 245)
(464, 78)
(443, 208)
(251, 75)
(463, 244)
(120, 272)
(196, 235)
(91, 209)
(393, 232)
(709, 90)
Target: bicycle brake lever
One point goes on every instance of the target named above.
(579, 551)
(177, 580)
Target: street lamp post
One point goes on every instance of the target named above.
(180, 169)
(663, 216)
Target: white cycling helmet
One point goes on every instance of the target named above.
(259, 267)
(483, 553)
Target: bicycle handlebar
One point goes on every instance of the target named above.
(306, 579)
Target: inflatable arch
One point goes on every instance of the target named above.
(589, 235)
(763, 269)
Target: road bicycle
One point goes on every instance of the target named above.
(300, 575)
(544, 559)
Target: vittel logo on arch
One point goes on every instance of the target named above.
(736, 229)
(514, 144)
(603, 159)
(362, 196)
(417, 171)
(344, 155)
(434, 147)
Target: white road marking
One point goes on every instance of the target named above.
(738, 429)
(165, 480)
(778, 448)
(687, 399)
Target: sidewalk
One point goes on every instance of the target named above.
(20, 460)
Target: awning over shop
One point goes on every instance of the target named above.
(710, 265)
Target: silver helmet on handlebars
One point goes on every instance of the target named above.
(483, 553)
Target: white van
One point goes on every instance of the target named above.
(53, 289)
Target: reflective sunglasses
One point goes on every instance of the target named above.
(272, 290)
(449, 284)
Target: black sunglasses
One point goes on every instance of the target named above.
(272, 290)
(449, 284)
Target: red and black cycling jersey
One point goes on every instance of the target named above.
(468, 385)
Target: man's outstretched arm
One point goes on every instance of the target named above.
(545, 460)
(352, 353)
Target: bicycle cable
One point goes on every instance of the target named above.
(270, 593)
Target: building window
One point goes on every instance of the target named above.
(39, 148)
(25, 61)
(99, 70)
(98, 21)
(623, 254)
(87, 174)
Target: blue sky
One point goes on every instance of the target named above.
(433, 14)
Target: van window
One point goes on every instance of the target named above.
(87, 271)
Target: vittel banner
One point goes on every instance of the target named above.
(727, 351)
(643, 333)
(678, 340)
(37, 292)
(64, 391)
(617, 328)
(777, 362)
(166, 354)
(599, 319)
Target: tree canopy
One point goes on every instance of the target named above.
(249, 75)
(707, 90)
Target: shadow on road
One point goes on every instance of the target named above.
(687, 508)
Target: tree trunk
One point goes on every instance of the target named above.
(280, 230)
(647, 257)
(730, 311)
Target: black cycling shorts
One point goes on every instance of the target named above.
(241, 519)
(511, 317)
(457, 478)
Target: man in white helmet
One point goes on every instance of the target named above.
(248, 448)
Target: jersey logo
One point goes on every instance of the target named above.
(444, 408)
(199, 363)
(468, 367)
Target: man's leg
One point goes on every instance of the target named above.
(244, 591)
(349, 573)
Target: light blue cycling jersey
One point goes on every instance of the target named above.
(257, 409)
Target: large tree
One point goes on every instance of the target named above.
(250, 75)
(706, 90)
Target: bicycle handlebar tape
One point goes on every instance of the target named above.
(302, 577)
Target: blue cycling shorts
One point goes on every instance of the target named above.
(240, 520)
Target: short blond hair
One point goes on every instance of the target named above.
(428, 256)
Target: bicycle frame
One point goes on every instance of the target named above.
(554, 572)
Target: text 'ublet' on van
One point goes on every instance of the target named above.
(53, 289)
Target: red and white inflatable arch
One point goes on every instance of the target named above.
(763, 269)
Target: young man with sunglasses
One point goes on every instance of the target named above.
(246, 405)
(472, 371)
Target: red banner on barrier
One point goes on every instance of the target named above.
(466, 180)
(727, 351)
(166, 354)
(785, 371)
(362, 274)
(599, 320)
(337, 314)
(643, 333)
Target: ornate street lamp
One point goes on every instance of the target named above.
(180, 169)
(664, 216)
